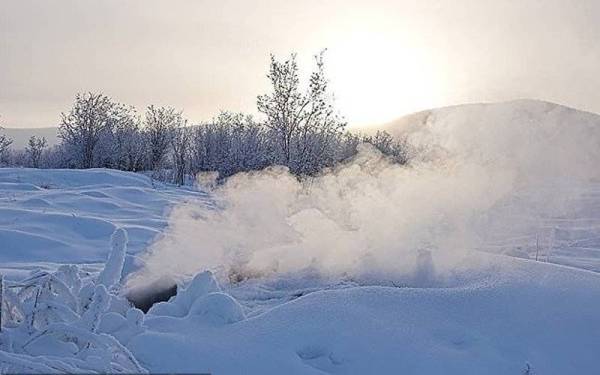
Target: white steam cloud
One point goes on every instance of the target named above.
(481, 172)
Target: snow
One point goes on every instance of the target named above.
(51, 325)
(547, 156)
(50, 217)
(526, 312)
(75, 238)
(180, 306)
(111, 274)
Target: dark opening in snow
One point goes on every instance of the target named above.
(145, 297)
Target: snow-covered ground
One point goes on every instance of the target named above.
(523, 298)
(52, 217)
(522, 313)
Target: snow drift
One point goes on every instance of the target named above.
(54, 216)
(476, 171)
(529, 315)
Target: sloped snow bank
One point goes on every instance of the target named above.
(542, 157)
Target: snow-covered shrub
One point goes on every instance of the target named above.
(123, 328)
(57, 322)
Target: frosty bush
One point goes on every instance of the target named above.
(63, 321)
(5, 143)
(35, 148)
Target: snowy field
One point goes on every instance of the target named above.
(50, 217)
(488, 273)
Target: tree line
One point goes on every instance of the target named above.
(301, 130)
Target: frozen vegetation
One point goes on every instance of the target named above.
(299, 128)
(481, 255)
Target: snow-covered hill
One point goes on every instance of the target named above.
(544, 156)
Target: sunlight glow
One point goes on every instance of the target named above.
(377, 77)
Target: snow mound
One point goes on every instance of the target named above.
(217, 309)
(544, 157)
(201, 285)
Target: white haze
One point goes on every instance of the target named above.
(472, 165)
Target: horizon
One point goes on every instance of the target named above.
(384, 60)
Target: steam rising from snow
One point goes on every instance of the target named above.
(477, 170)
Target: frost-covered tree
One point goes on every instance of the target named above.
(347, 145)
(301, 130)
(389, 146)
(212, 145)
(56, 157)
(231, 143)
(127, 141)
(110, 152)
(159, 125)
(250, 146)
(304, 121)
(180, 146)
(5, 143)
(82, 128)
(35, 148)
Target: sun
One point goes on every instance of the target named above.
(377, 78)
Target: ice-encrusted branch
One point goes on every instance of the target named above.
(55, 322)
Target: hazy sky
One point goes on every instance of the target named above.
(384, 59)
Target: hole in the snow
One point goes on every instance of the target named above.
(144, 297)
